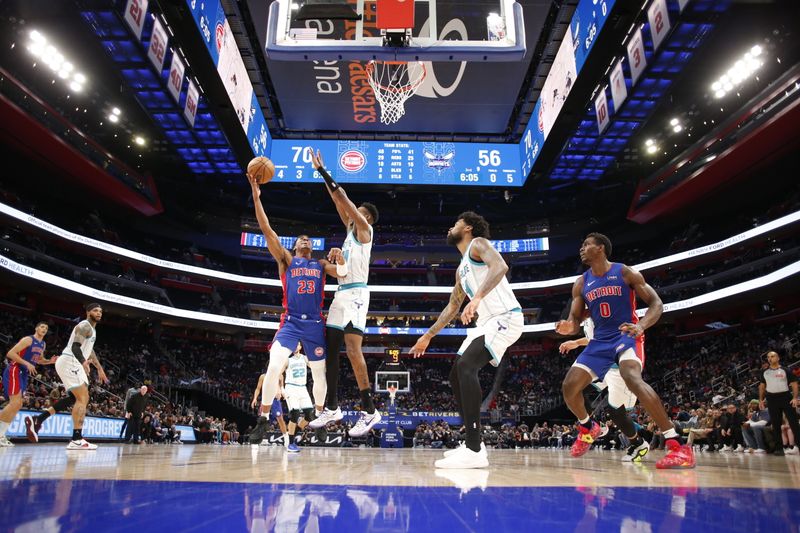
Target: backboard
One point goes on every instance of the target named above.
(485, 31)
(400, 379)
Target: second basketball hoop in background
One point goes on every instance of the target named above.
(394, 82)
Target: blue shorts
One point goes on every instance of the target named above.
(599, 356)
(15, 380)
(311, 333)
(276, 410)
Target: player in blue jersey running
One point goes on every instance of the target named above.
(22, 361)
(303, 279)
(609, 290)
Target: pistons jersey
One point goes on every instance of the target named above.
(303, 284)
(610, 300)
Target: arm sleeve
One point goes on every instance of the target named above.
(328, 179)
(76, 351)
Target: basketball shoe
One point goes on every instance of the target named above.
(81, 445)
(464, 458)
(32, 427)
(293, 448)
(585, 439)
(365, 423)
(636, 452)
(679, 456)
(260, 431)
(326, 417)
(461, 446)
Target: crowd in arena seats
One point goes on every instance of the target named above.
(698, 378)
(183, 290)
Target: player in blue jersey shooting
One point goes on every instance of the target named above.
(303, 279)
(610, 290)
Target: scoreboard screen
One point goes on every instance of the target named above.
(541, 244)
(396, 162)
(256, 240)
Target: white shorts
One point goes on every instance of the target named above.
(499, 332)
(71, 372)
(297, 398)
(619, 394)
(349, 306)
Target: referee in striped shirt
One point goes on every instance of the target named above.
(774, 387)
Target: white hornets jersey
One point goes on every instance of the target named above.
(500, 300)
(86, 346)
(297, 370)
(356, 255)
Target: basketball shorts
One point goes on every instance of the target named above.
(309, 332)
(599, 356)
(619, 395)
(297, 397)
(276, 411)
(71, 372)
(15, 379)
(498, 332)
(349, 306)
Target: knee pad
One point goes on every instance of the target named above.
(308, 414)
(294, 415)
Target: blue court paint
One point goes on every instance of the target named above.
(107, 505)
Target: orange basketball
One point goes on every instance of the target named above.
(261, 168)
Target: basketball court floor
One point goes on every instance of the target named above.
(238, 488)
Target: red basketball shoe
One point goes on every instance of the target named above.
(679, 456)
(585, 439)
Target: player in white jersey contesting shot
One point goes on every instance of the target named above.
(347, 316)
(620, 398)
(481, 276)
(296, 394)
(72, 367)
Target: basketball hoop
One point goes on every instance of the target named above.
(394, 82)
(392, 391)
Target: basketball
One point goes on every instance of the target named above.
(261, 168)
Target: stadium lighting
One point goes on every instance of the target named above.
(741, 70)
(113, 118)
(673, 122)
(51, 56)
(677, 128)
(139, 140)
(649, 142)
(115, 111)
(652, 149)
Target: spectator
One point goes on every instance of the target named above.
(753, 429)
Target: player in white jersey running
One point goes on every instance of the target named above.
(298, 400)
(347, 316)
(620, 398)
(481, 276)
(73, 369)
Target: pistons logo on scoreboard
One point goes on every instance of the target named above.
(540, 119)
(219, 34)
(352, 161)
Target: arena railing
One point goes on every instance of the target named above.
(393, 289)
(96, 294)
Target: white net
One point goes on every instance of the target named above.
(394, 82)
